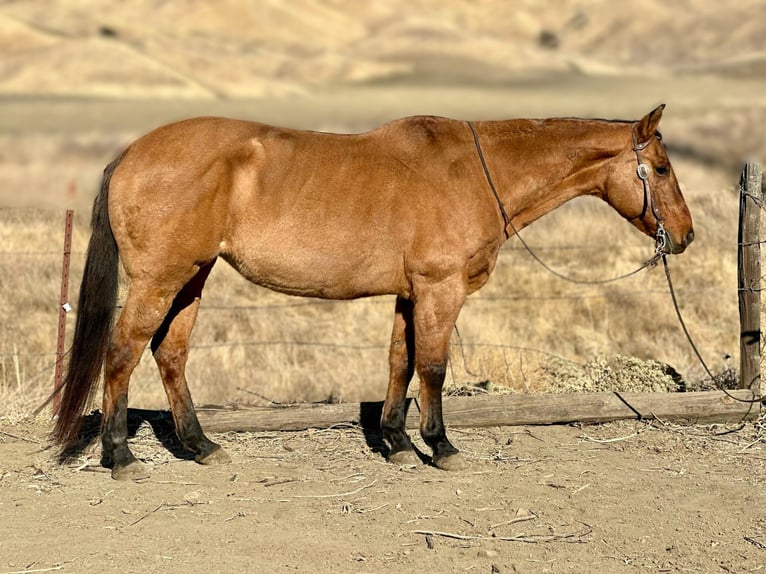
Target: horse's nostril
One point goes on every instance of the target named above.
(689, 238)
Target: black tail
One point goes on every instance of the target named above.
(95, 312)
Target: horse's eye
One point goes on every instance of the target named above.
(662, 170)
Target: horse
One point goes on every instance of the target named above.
(417, 208)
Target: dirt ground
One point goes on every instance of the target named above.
(620, 497)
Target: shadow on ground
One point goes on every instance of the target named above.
(162, 425)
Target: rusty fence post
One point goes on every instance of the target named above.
(749, 277)
(64, 308)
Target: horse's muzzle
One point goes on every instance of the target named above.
(676, 247)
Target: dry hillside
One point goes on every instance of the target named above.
(236, 48)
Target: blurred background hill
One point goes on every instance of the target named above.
(240, 48)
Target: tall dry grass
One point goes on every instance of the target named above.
(251, 344)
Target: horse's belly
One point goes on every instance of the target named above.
(312, 273)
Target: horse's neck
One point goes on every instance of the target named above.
(540, 165)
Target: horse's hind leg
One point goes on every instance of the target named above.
(170, 346)
(142, 314)
(401, 361)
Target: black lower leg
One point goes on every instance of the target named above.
(393, 427)
(115, 453)
(191, 435)
(402, 367)
(434, 435)
(432, 428)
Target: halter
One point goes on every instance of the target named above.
(643, 170)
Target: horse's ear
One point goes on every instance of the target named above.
(648, 124)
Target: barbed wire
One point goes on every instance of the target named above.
(478, 299)
(38, 253)
(277, 343)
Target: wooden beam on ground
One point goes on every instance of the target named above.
(496, 410)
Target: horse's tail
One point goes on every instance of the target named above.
(95, 313)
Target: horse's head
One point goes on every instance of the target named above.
(642, 187)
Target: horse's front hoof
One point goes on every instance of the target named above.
(132, 471)
(451, 462)
(404, 458)
(217, 456)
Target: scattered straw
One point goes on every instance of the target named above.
(22, 438)
(337, 495)
(587, 438)
(571, 537)
(516, 520)
(51, 569)
(147, 514)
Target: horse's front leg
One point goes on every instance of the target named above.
(401, 360)
(435, 313)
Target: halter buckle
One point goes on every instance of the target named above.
(661, 240)
(643, 171)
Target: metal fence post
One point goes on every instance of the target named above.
(64, 308)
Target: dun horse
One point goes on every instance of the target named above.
(417, 208)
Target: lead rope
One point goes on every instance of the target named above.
(650, 263)
(694, 346)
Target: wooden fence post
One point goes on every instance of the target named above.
(749, 277)
(63, 310)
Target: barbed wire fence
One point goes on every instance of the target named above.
(50, 261)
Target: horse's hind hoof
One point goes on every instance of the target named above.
(451, 462)
(133, 471)
(217, 456)
(404, 458)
